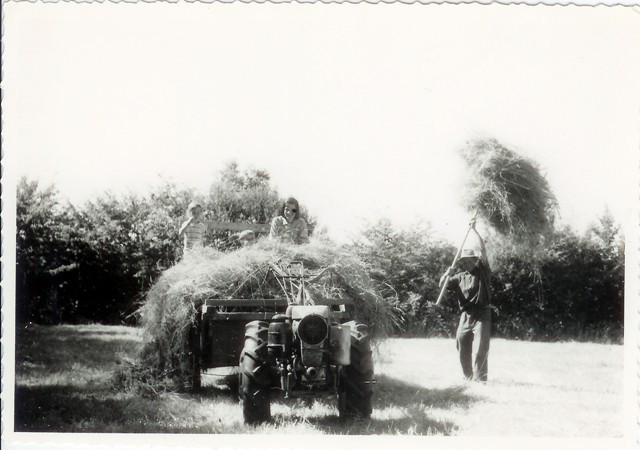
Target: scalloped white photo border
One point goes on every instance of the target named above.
(34, 441)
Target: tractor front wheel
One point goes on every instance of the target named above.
(255, 378)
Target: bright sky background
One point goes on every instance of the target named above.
(356, 110)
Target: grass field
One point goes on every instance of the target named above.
(64, 382)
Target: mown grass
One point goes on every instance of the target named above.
(534, 389)
(65, 382)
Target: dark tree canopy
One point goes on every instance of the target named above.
(94, 263)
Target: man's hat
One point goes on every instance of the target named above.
(469, 253)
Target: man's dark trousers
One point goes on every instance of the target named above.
(472, 340)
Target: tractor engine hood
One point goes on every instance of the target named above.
(297, 312)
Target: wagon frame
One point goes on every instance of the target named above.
(217, 335)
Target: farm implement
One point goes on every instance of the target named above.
(293, 346)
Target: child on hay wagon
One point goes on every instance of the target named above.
(469, 279)
(289, 226)
(193, 229)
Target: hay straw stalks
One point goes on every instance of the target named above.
(170, 306)
(509, 192)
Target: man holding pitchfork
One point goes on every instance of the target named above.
(469, 279)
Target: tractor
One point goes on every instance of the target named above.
(293, 347)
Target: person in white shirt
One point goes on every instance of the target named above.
(193, 229)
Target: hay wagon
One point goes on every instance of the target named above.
(293, 346)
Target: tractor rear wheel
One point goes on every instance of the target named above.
(255, 377)
(356, 381)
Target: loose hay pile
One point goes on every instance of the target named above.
(170, 306)
(509, 192)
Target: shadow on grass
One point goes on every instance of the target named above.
(57, 347)
(64, 408)
(70, 391)
(399, 408)
(405, 408)
(73, 332)
(74, 409)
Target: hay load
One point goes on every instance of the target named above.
(170, 306)
(509, 192)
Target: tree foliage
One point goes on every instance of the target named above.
(575, 290)
(43, 256)
(407, 265)
(93, 263)
(244, 196)
(127, 241)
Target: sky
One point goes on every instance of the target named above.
(357, 111)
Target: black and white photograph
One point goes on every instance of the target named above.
(289, 225)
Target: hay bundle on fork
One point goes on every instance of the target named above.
(509, 192)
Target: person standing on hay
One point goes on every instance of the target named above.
(469, 279)
(193, 229)
(289, 226)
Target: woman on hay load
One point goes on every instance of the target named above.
(288, 226)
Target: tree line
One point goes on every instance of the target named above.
(94, 263)
(574, 289)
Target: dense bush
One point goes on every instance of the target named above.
(43, 254)
(94, 263)
(575, 291)
(407, 265)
